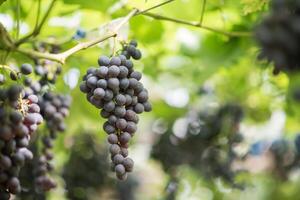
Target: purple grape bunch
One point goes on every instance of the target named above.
(115, 88)
(19, 118)
(54, 108)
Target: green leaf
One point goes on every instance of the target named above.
(151, 33)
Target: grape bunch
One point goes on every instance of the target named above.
(54, 108)
(130, 51)
(279, 36)
(204, 131)
(19, 118)
(115, 88)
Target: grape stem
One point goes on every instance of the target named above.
(202, 11)
(6, 67)
(199, 25)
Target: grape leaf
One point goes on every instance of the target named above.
(251, 6)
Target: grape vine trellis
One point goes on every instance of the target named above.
(8, 44)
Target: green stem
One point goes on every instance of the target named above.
(18, 19)
(6, 67)
(199, 25)
(202, 11)
(38, 28)
(37, 15)
(156, 6)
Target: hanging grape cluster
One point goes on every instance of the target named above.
(19, 118)
(115, 88)
(279, 35)
(53, 107)
(204, 131)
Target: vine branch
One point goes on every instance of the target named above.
(199, 25)
(37, 29)
(156, 6)
(61, 57)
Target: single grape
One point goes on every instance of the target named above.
(92, 82)
(128, 64)
(133, 83)
(124, 83)
(143, 96)
(112, 139)
(124, 152)
(120, 111)
(139, 108)
(114, 149)
(113, 83)
(108, 95)
(91, 70)
(120, 99)
(123, 72)
(83, 87)
(113, 71)
(26, 69)
(136, 75)
(137, 54)
(121, 124)
(120, 169)
(102, 83)
(105, 114)
(128, 164)
(108, 128)
(103, 61)
(109, 106)
(130, 115)
(118, 159)
(133, 43)
(124, 138)
(102, 72)
(131, 127)
(147, 106)
(115, 61)
(112, 119)
(99, 93)
(131, 49)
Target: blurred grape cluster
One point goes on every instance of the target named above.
(207, 145)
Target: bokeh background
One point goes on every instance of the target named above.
(222, 126)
